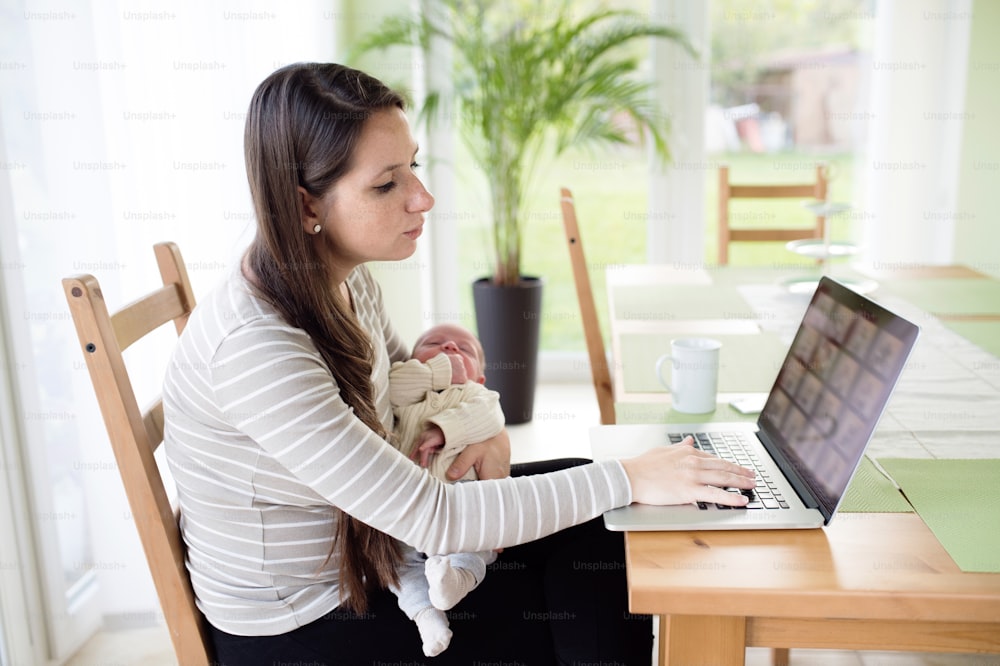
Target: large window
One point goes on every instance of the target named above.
(121, 125)
(789, 84)
(786, 82)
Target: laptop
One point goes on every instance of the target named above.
(808, 441)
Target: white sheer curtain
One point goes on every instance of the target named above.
(122, 125)
(917, 119)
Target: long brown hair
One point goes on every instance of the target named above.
(301, 130)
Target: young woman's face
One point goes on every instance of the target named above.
(375, 212)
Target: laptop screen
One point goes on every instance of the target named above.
(833, 386)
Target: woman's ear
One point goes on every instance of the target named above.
(311, 217)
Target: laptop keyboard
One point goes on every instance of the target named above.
(730, 446)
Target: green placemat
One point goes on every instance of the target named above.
(960, 502)
(871, 492)
(747, 363)
(984, 334)
(950, 296)
(678, 302)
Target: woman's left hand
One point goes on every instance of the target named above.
(490, 459)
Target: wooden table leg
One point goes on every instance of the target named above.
(701, 640)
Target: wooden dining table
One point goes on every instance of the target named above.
(870, 580)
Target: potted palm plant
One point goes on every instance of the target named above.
(530, 80)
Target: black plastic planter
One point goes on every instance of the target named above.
(508, 319)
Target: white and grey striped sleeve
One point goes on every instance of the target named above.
(271, 384)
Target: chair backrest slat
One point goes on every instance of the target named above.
(771, 191)
(816, 190)
(134, 435)
(599, 369)
(141, 317)
(152, 419)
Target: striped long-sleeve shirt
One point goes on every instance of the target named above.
(262, 448)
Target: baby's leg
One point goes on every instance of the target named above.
(413, 599)
(435, 635)
(451, 577)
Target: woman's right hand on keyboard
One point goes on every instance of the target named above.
(681, 474)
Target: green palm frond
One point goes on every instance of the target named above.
(532, 80)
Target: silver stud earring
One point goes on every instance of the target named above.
(317, 229)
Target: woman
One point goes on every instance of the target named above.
(277, 411)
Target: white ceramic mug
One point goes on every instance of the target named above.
(694, 374)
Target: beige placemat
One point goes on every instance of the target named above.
(747, 363)
(679, 302)
(658, 412)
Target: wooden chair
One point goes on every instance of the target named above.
(599, 369)
(806, 191)
(135, 434)
(595, 341)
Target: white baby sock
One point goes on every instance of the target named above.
(434, 632)
(448, 585)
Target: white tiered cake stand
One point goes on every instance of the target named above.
(824, 250)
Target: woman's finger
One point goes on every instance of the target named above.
(720, 496)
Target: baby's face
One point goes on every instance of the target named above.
(454, 341)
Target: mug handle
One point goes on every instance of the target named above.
(659, 370)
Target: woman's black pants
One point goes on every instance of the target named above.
(558, 600)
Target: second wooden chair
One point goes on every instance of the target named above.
(599, 368)
(815, 191)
